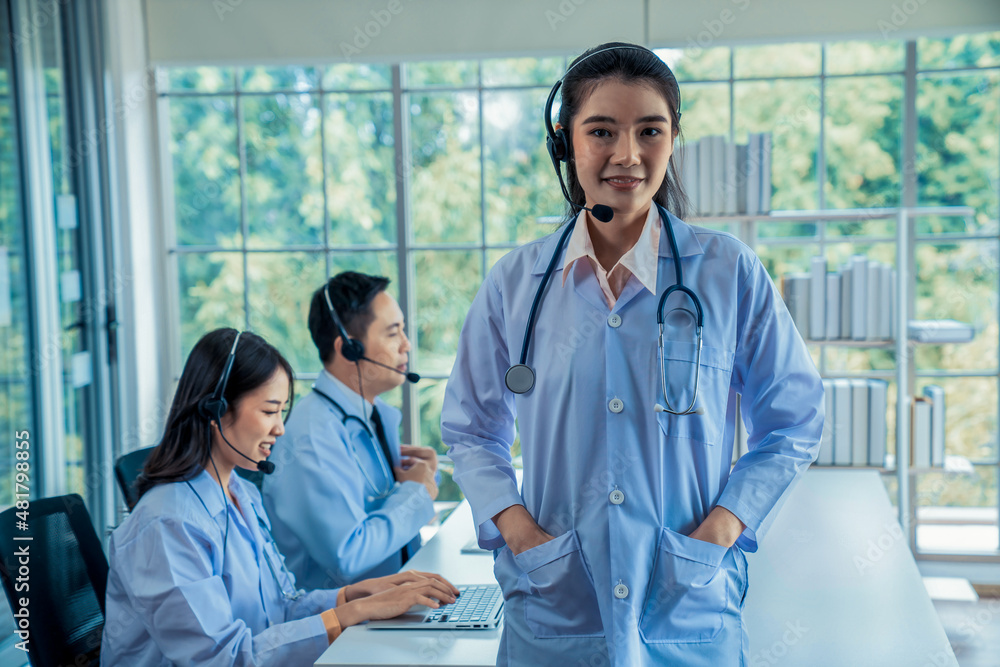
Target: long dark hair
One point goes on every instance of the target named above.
(187, 443)
(631, 64)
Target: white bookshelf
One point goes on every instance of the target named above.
(904, 240)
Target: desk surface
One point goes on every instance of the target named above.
(360, 646)
(833, 584)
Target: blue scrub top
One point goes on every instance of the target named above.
(328, 518)
(619, 485)
(176, 595)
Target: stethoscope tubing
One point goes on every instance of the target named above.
(387, 473)
(525, 370)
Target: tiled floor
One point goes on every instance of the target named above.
(973, 629)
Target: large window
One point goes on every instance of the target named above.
(282, 177)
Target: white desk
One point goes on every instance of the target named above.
(833, 584)
(465, 648)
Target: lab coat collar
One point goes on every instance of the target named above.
(687, 243)
(209, 492)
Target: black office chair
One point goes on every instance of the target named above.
(127, 470)
(68, 574)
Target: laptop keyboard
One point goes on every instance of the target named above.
(473, 605)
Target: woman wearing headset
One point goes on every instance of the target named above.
(626, 543)
(195, 578)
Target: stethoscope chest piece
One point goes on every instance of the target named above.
(519, 378)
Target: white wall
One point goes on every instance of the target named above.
(146, 332)
(301, 31)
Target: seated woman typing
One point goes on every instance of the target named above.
(195, 577)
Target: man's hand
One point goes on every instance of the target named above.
(425, 454)
(418, 470)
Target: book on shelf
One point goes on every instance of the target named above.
(884, 316)
(920, 433)
(859, 422)
(854, 303)
(765, 172)
(717, 146)
(846, 289)
(873, 300)
(833, 305)
(753, 173)
(877, 427)
(817, 298)
(855, 429)
(795, 291)
(722, 178)
(859, 297)
(704, 162)
(940, 331)
(826, 440)
(843, 429)
(935, 395)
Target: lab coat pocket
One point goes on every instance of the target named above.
(687, 592)
(559, 596)
(680, 372)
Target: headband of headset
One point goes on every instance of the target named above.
(352, 349)
(214, 406)
(556, 140)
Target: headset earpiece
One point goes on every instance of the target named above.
(352, 349)
(558, 145)
(214, 406)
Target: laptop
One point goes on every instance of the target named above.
(477, 608)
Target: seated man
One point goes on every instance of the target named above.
(347, 500)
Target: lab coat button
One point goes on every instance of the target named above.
(616, 405)
(615, 321)
(617, 497)
(621, 591)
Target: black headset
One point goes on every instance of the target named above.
(352, 349)
(214, 406)
(556, 142)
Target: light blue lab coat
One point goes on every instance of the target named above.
(622, 583)
(176, 596)
(328, 519)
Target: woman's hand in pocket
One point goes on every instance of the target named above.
(720, 527)
(519, 530)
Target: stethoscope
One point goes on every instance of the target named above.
(520, 377)
(295, 594)
(387, 474)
